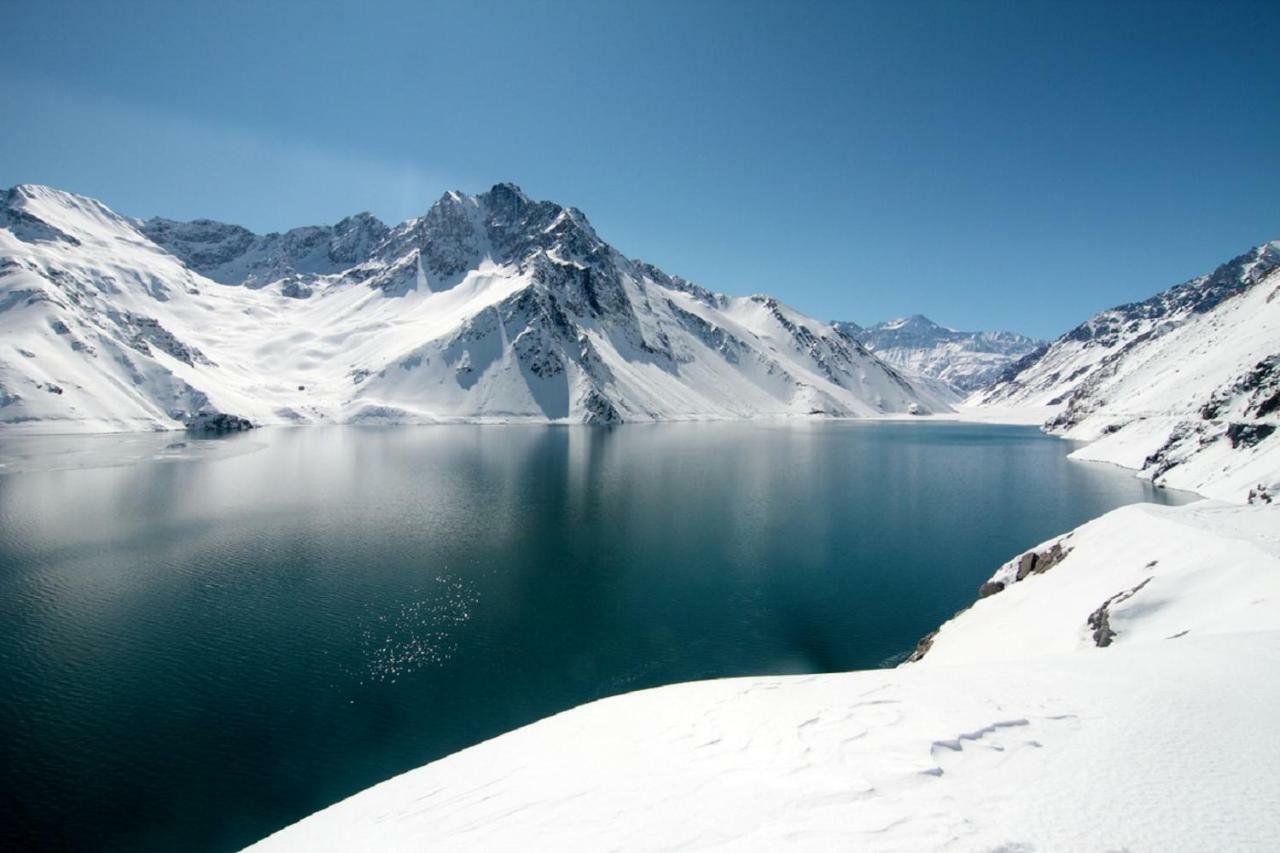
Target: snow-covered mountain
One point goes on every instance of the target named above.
(964, 361)
(488, 307)
(1184, 386)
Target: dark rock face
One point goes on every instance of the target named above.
(1025, 563)
(448, 239)
(296, 289)
(1254, 394)
(922, 647)
(1039, 563)
(1260, 385)
(1169, 454)
(1100, 619)
(201, 244)
(217, 422)
(1198, 296)
(834, 355)
(1248, 435)
(353, 239)
(233, 255)
(26, 226)
(729, 346)
(1259, 495)
(990, 588)
(600, 411)
(143, 333)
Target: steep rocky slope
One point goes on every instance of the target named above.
(1184, 386)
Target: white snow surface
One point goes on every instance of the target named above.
(1014, 733)
(1184, 387)
(488, 308)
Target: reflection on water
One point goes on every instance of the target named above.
(194, 653)
(401, 637)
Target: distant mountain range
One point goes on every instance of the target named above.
(964, 361)
(495, 307)
(492, 307)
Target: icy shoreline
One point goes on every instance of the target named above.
(1066, 689)
(1015, 726)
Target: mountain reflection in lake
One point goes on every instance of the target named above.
(202, 644)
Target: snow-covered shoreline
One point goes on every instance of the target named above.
(1016, 731)
(1123, 670)
(43, 428)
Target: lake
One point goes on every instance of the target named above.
(203, 641)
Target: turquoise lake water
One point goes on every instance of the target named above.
(204, 641)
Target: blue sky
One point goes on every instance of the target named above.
(993, 165)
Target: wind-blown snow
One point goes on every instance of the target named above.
(1014, 732)
(492, 308)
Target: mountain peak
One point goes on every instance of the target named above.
(914, 323)
(964, 360)
(506, 193)
(35, 212)
(489, 306)
(21, 195)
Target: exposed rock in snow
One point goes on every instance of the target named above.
(1184, 386)
(1017, 731)
(217, 422)
(489, 307)
(1201, 568)
(233, 255)
(962, 361)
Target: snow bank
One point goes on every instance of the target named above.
(1203, 568)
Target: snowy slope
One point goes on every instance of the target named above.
(1206, 568)
(963, 361)
(1016, 731)
(1184, 386)
(488, 307)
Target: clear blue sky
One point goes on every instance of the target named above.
(1014, 165)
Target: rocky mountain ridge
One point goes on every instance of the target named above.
(488, 307)
(1184, 386)
(964, 361)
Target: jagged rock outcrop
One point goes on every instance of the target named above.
(217, 422)
(1100, 620)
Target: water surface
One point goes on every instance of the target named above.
(200, 644)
